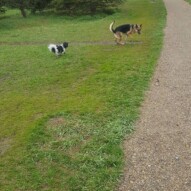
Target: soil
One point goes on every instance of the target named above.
(37, 43)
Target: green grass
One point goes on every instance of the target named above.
(189, 1)
(63, 119)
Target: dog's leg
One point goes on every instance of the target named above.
(118, 37)
(57, 54)
(129, 34)
(121, 38)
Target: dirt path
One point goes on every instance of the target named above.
(158, 154)
(71, 43)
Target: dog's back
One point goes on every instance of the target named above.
(123, 28)
(52, 48)
(60, 49)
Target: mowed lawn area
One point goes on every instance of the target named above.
(188, 1)
(63, 119)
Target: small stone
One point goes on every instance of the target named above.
(157, 83)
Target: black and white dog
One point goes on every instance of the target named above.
(58, 49)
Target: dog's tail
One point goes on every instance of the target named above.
(51, 47)
(111, 27)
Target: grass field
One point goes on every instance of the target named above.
(63, 119)
(189, 1)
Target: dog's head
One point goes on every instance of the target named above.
(65, 44)
(138, 28)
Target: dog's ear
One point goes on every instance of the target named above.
(141, 25)
(65, 44)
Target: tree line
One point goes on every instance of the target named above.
(66, 6)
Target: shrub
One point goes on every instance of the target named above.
(84, 6)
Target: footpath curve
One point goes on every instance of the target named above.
(158, 154)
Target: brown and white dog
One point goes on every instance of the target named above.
(126, 29)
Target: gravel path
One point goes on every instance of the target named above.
(158, 154)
